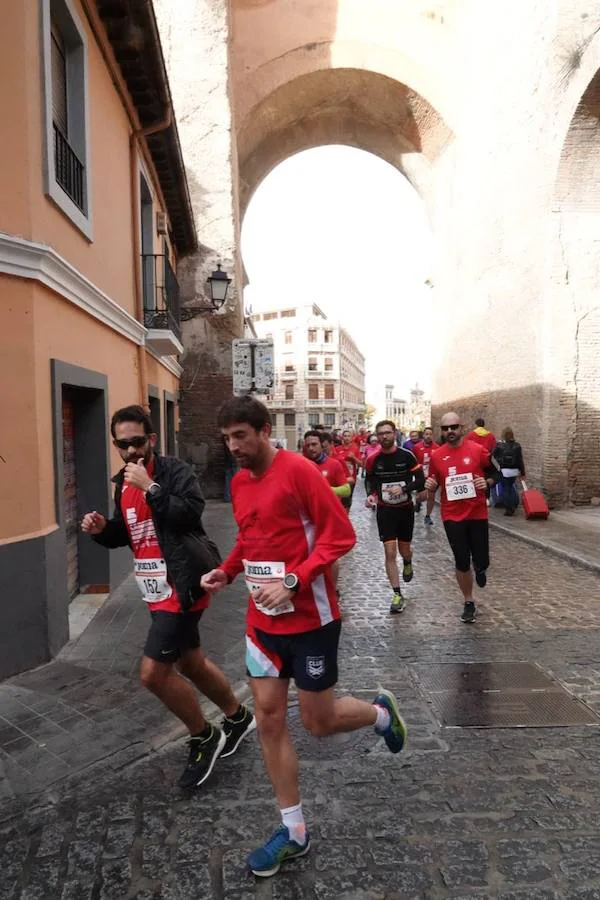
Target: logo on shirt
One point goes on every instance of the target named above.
(467, 460)
(131, 515)
(315, 666)
(258, 570)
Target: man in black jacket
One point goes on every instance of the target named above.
(158, 513)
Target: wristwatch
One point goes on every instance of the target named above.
(153, 489)
(291, 582)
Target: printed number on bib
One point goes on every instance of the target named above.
(151, 577)
(396, 497)
(258, 574)
(460, 487)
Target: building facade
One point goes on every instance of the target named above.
(95, 216)
(319, 372)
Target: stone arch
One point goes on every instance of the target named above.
(352, 106)
(573, 405)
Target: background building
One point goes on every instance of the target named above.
(94, 216)
(319, 371)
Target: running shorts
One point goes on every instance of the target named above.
(469, 539)
(310, 657)
(396, 524)
(171, 634)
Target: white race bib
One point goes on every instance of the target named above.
(388, 497)
(460, 487)
(258, 574)
(151, 577)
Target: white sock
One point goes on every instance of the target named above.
(293, 819)
(383, 718)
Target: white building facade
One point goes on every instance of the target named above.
(319, 372)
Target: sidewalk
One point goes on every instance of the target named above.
(571, 534)
(88, 706)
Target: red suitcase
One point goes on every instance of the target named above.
(534, 504)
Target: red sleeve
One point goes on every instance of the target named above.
(333, 533)
(337, 473)
(233, 565)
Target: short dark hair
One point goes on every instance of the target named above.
(325, 436)
(314, 433)
(479, 423)
(134, 413)
(246, 410)
(385, 422)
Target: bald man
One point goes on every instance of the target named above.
(462, 470)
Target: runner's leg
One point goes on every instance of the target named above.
(391, 563)
(209, 679)
(281, 761)
(175, 692)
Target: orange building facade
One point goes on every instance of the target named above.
(94, 215)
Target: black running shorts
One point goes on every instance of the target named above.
(396, 524)
(171, 634)
(469, 540)
(310, 657)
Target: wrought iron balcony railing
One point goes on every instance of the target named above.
(68, 168)
(161, 294)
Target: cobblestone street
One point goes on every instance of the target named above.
(474, 812)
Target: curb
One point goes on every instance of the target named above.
(552, 549)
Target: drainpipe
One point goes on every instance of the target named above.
(135, 138)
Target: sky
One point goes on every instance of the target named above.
(343, 229)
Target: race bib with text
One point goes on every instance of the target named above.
(260, 573)
(151, 577)
(390, 495)
(460, 487)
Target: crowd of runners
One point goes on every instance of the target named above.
(291, 510)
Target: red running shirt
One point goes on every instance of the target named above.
(332, 471)
(289, 521)
(423, 453)
(454, 469)
(342, 453)
(150, 568)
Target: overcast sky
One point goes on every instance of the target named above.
(341, 228)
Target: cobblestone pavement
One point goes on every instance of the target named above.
(475, 812)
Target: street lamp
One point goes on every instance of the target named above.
(218, 284)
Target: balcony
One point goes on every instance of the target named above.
(161, 305)
(283, 404)
(322, 403)
(68, 169)
(291, 375)
(319, 373)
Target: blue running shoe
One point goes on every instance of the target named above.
(279, 848)
(396, 733)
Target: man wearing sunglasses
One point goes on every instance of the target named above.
(158, 513)
(463, 470)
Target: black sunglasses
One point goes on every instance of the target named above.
(138, 442)
(450, 427)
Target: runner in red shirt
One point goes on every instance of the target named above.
(158, 513)
(291, 529)
(348, 455)
(423, 451)
(463, 471)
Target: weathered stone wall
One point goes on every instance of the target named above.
(195, 38)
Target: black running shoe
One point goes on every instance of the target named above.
(469, 612)
(203, 756)
(235, 730)
(481, 578)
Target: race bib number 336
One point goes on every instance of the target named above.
(460, 487)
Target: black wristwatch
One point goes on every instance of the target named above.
(291, 582)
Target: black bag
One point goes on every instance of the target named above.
(509, 456)
(203, 553)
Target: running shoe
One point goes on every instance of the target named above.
(203, 756)
(396, 733)
(398, 603)
(236, 730)
(481, 578)
(280, 848)
(428, 520)
(469, 612)
(407, 571)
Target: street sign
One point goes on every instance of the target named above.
(253, 366)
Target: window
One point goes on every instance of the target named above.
(313, 392)
(312, 364)
(289, 419)
(288, 337)
(312, 335)
(268, 316)
(67, 171)
(289, 392)
(288, 313)
(328, 336)
(328, 364)
(330, 392)
(329, 420)
(290, 367)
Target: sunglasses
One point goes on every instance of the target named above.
(137, 442)
(450, 427)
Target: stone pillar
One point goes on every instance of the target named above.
(195, 40)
